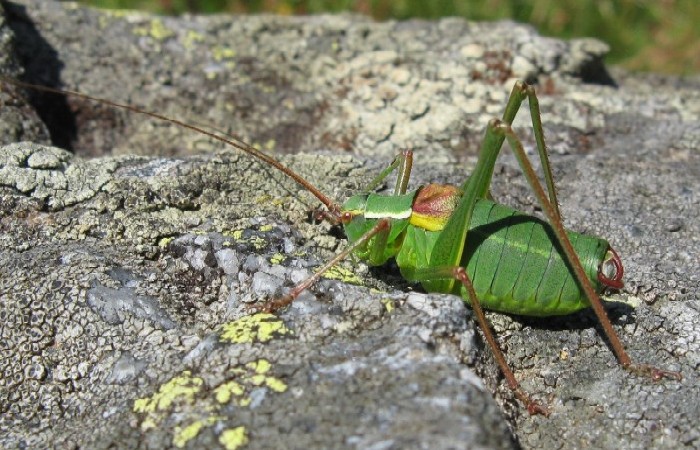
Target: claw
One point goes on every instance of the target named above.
(654, 373)
(658, 375)
(535, 408)
(271, 306)
(254, 308)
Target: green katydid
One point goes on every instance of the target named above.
(456, 240)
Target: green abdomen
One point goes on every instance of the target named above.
(517, 268)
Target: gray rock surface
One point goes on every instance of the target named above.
(128, 261)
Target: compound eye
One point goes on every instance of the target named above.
(346, 217)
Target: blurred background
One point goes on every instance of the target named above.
(645, 35)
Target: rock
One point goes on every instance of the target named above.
(128, 259)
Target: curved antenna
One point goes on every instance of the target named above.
(333, 207)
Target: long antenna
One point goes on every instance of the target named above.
(333, 207)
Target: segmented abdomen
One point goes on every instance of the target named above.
(517, 268)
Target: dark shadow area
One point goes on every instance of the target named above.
(595, 72)
(581, 320)
(41, 66)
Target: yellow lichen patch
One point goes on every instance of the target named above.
(260, 366)
(343, 326)
(263, 198)
(259, 327)
(155, 29)
(194, 406)
(257, 380)
(220, 53)
(389, 304)
(183, 435)
(630, 300)
(227, 390)
(234, 438)
(103, 21)
(159, 31)
(258, 242)
(180, 389)
(277, 258)
(235, 234)
(175, 400)
(342, 274)
(191, 38)
(163, 242)
(119, 13)
(253, 374)
(276, 384)
(564, 354)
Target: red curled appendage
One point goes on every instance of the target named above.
(611, 261)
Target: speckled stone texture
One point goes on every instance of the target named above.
(129, 258)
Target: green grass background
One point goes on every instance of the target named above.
(647, 35)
